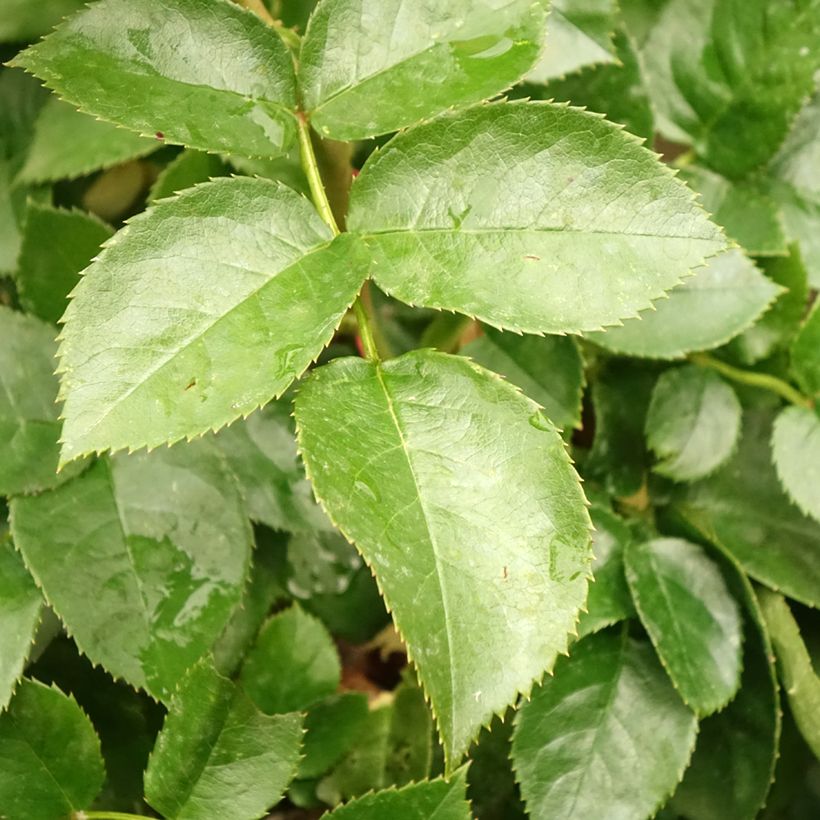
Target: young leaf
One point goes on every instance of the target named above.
(57, 245)
(585, 223)
(188, 169)
(693, 422)
(371, 70)
(225, 295)
(805, 354)
(68, 143)
(549, 370)
(743, 510)
(29, 427)
(20, 609)
(201, 73)
(439, 799)
(691, 617)
(293, 665)
(796, 453)
(800, 681)
(217, 755)
(159, 543)
(726, 295)
(461, 498)
(50, 763)
(607, 730)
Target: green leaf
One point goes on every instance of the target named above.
(217, 755)
(201, 73)
(225, 295)
(693, 422)
(549, 370)
(57, 245)
(743, 510)
(410, 738)
(442, 799)
(293, 664)
(20, 610)
(587, 225)
(734, 83)
(23, 20)
(691, 617)
(796, 452)
(579, 33)
(805, 354)
(186, 170)
(607, 730)
(50, 763)
(320, 563)
(800, 681)
(726, 295)
(68, 143)
(460, 496)
(159, 543)
(29, 424)
(491, 785)
(367, 70)
(749, 215)
(609, 600)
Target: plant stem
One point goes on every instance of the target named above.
(762, 380)
(106, 815)
(261, 11)
(363, 306)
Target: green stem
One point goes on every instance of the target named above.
(762, 380)
(363, 306)
(107, 815)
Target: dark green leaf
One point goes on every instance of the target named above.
(410, 739)
(805, 354)
(588, 227)
(186, 170)
(321, 562)
(491, 784)
(368, 70)
(23, 20)
(796, 453)
(201, 73)
(218, 755)
(461, 497)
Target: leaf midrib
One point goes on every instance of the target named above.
(533, 230)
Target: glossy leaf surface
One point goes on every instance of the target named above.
(218, 755)
(585, 223)
(225, 295)
(201, 73)
(606, 737)
(796, 453)
(368, 70)
(461, 497)
(159, 543)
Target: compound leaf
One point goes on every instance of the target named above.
(586, 224)
(224, 295)
(796, 452)
(460, 496)
(368, 70)
(201, 73)
(159, 543)
(218, 755)
(607, 730)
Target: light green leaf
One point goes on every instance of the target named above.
(801, 218)
(734, 83)
(691, 617)
(609, 600)
(159, 543)
(796, 452)
(20, 610)
(743, 510)
(805, 354)
(800, 681)
(23, 20)
(201, 73)
(29, 424)
(693, 422)
(439, 799)
(225, 295)
(461, 498)
(368, 70)
(293, 664)
(50, 762)
(579, 33)
(217, 755)
(726, 295)
(549, 370)
(608, 730)
(188, 169)
(57, 245)
(587, 226)
(68, 143)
